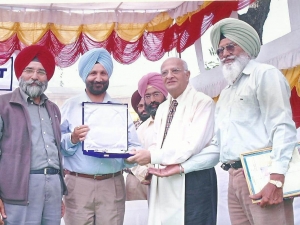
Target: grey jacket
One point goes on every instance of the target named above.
(15, 147)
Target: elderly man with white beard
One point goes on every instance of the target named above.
(252, 112)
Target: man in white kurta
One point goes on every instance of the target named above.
(190, 131)
(134, 189)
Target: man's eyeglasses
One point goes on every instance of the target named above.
(30, 71)
(173, 71)
(155, 95)
(229, 48)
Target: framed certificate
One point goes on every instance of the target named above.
(256, 166)
(108, 134)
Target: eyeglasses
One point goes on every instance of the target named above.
(229, 48)
(30, 71)
(155, 95)
(173, 71)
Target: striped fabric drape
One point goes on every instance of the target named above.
(125, 41)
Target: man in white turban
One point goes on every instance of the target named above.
(96, 185)
(252, 112)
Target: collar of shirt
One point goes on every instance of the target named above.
(149, 121)
(85, 98)
(28, 99)
(183, 95)
(249, 68)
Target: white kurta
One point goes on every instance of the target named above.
(190, 131)
(145, 134)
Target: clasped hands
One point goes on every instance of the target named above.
(143, 157)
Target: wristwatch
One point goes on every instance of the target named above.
(277, 183)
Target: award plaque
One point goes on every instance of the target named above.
(108, 134)
(256, 166)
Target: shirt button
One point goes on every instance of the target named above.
(49, 160)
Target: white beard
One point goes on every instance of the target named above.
(33, 91)
(231, 71)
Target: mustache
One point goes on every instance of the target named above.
(229, 57)
(99, 82)
(154, 103)
(39, 83)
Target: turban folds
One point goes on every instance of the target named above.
(31, 52)
(237, 31)
(90, 58)
(135, 100)
(154, 80)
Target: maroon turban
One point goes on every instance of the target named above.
(35, 51)
(135, 100)
(154, 80)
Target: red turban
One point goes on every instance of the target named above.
(35, 51)
(135, 100)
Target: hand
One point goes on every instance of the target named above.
(2, 212)
(63, 209)
(147, 179)
(79, 133)
(167, 171)
(270, 194)
(142, 157)
(132, 152)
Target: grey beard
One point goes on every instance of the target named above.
(33, 91)
(233, 70)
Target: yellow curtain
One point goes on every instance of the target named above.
(98, 32)
(181, 19)
(160, 22)
(130, 32)
(66, 34)
(7, 29)
(293, 77)
(31, 33)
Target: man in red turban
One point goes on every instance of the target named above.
(31, 180)
(34, 81)
(35, 53)
(138, 104)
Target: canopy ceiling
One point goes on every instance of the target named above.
(126, 29)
